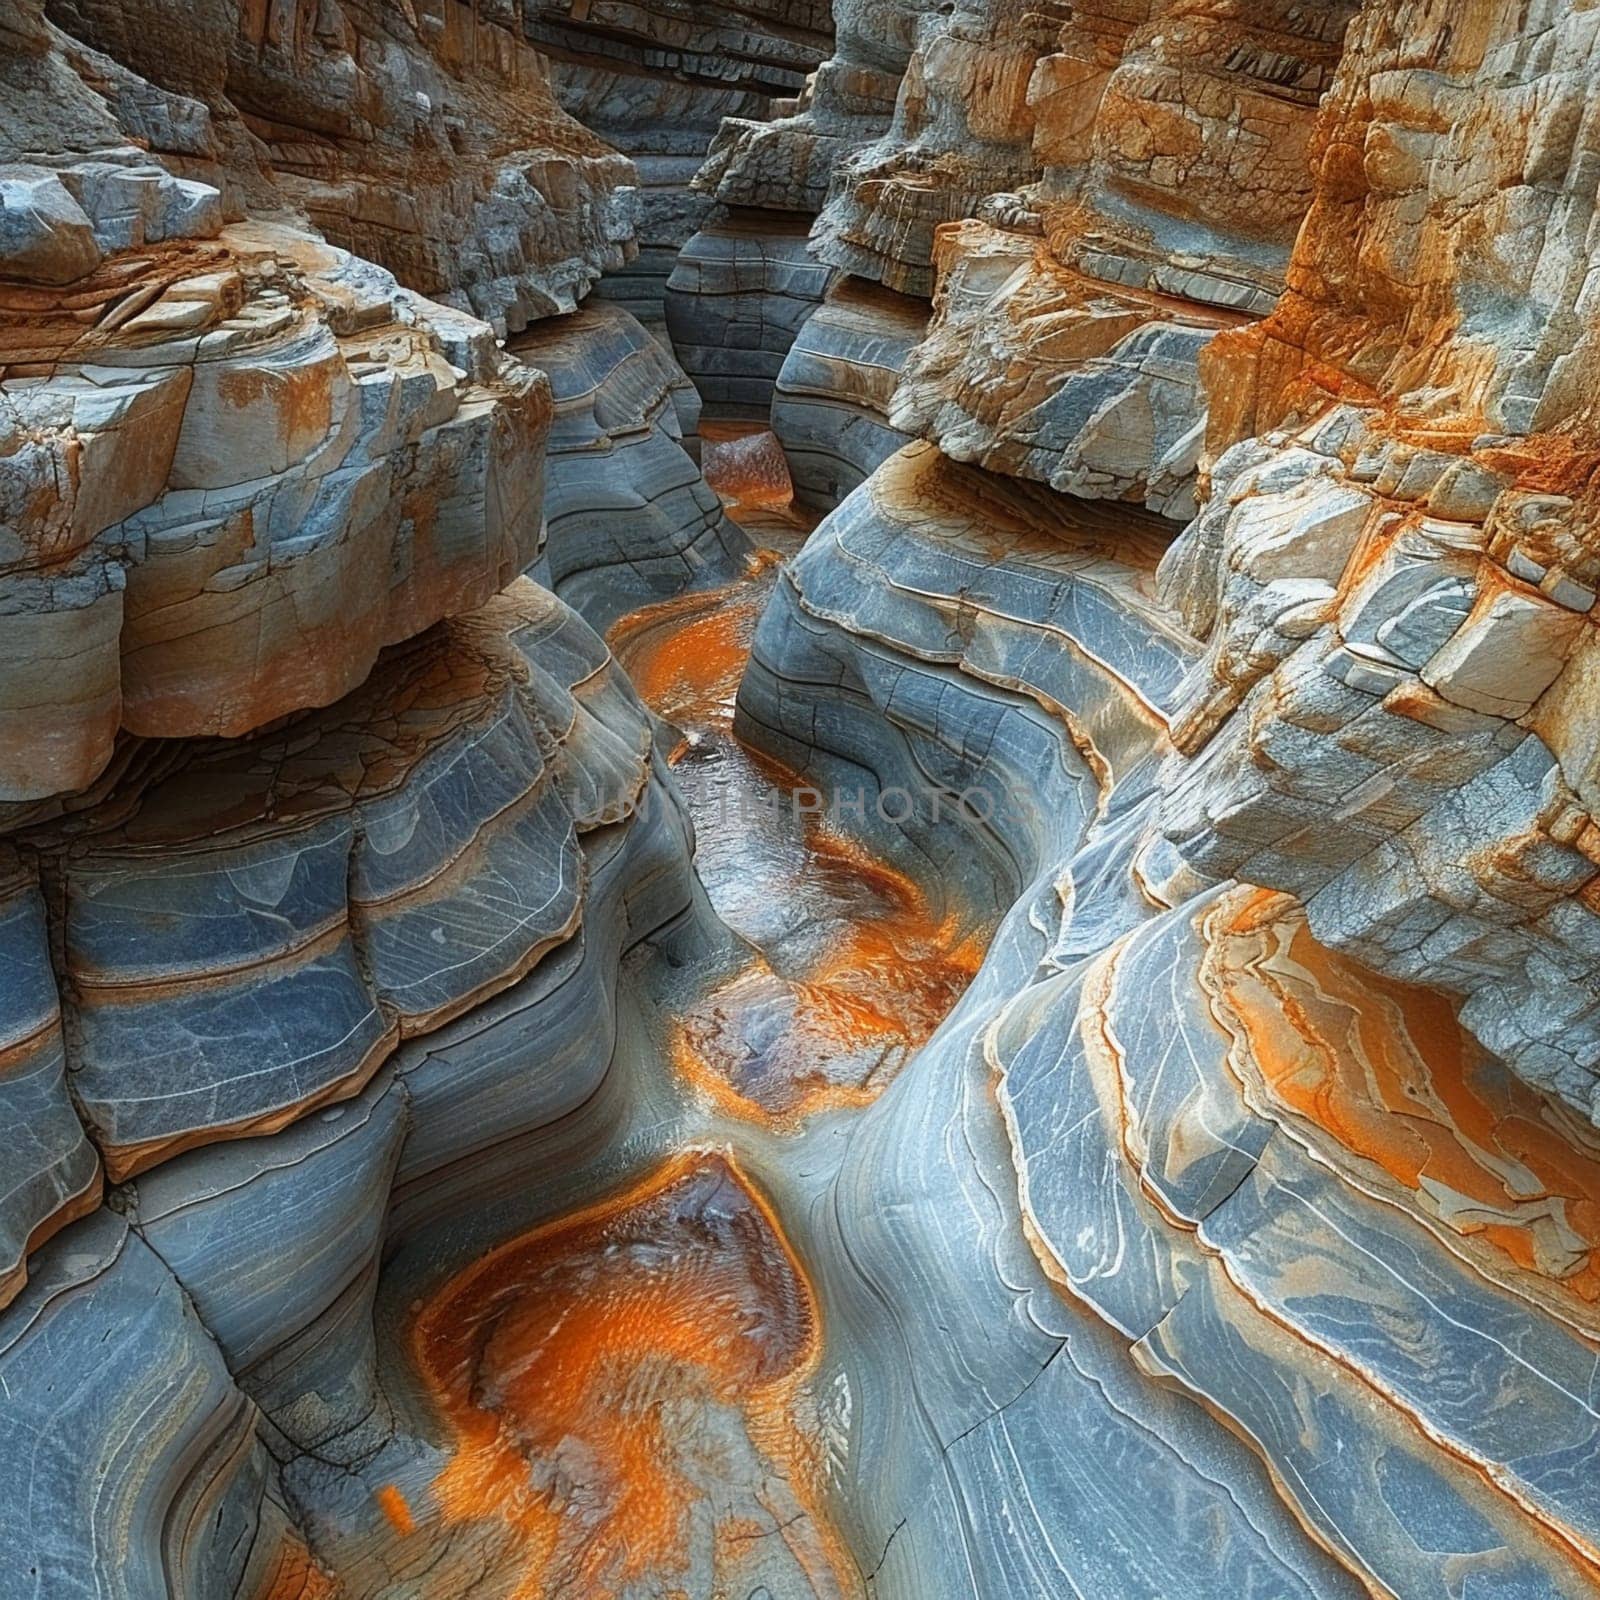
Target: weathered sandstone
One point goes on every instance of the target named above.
(198, 495)
(426, 139)
(628, 516)
(830, 409)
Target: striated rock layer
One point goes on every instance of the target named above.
(830, 409)
(1204, 1199)
(628, 516)
(739, 292)
(200, 491)
(1048, 1048)
(658, 82)
(427, 139)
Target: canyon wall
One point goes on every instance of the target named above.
(563, 1031)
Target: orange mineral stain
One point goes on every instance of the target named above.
(295, 1575)
(628, 1375)
(777, 1045)
(393, 1505)
(773, 1049)
(1382, 1074)
(686, 655)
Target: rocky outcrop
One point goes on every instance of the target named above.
(787, 163)
(425, 139)
(1032, 369)
(1432, 453)
(739, 292)
(202, 486)
(962, 130)
(1169, 169)
(628, 516)
(830, 409)
(657, 82)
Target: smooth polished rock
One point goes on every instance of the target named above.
(52, 1171)
(1229, 1232)
(246, 935)
(948, 626)
(831, 407)
(276, 1243)
(738, 295)
(628, 516)
(131, 1456)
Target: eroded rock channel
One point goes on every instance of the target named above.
(798, 804)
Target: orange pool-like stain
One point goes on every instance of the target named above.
(777, 1049)
(623, 1386)
(1386, 1075)
(766, 1045)
(686, 655)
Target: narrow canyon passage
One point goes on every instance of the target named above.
(799, 800)
(625, 1387)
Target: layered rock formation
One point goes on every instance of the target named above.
(628, 516)
(1037, 1038)
(830, 407)
(426, 139)
(657, 82)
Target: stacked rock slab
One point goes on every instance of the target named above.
(628, 516)
(1169, 171)
(1396, 569)
(748, 280)
(787, 163)
(657, 82)
(426, 139)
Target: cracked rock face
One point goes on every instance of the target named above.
(971, 981)
(427, 139)
(220, 446)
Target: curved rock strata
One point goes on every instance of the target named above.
(628, 517)
(830, 409)
(1170, 1163)
(739, 292)
(1048, 1047)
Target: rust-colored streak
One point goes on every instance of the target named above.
(1383, 1075)
(606, 1374)
(393, 1504)
(768, 1046)
(294, 1575)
